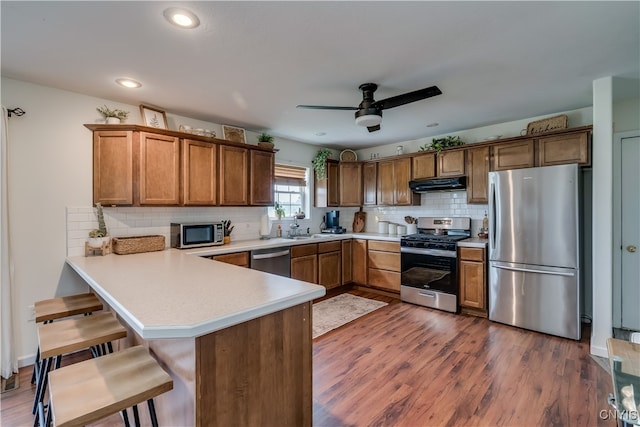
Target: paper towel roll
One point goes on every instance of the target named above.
(265, 225)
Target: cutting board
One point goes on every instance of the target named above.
(359, 221)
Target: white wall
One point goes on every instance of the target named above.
(50, 170)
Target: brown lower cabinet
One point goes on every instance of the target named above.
(240, 258)
(359, 264)
(383, 270)
(304, 262)
(330, 264)
(473, 281)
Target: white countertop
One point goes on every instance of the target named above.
(250, 245)
(474, 242)
(171, 294)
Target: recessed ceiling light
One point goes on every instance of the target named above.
(432, 125)
(129, 83)
(183, 18)
(320, 133)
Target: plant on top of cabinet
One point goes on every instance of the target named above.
(320, 163)
(439, 144)
(265, 140)
(113, 116)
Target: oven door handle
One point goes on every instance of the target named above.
(432, 252)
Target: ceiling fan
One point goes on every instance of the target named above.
(369, 112)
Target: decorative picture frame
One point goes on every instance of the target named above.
(233, 134)
(153, 117)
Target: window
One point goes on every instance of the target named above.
(290, 189)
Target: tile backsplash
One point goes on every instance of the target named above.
(141, 221)
(445, 204)
(144, 221)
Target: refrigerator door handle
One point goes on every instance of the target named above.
(531, 270)
(492, 215)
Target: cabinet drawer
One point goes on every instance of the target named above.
(384, 260)
(325, 247)
(472, 254)
(380, 245)
(304, 250)
(241, 259)
(389, 280)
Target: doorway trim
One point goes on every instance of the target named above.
(617, 225)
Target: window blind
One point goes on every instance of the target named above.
(290, 175)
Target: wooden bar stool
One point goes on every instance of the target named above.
(94, 389)
(48, 310)
(70, 335)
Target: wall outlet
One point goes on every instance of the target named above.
(31, 313)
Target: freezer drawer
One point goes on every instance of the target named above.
(541, 299)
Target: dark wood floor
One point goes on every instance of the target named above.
(404, 365)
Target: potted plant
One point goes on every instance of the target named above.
(99, 235)
(114, 116)
(280, 212)
(265, 140)
(227, 228)
(439, 144)
(320, 163)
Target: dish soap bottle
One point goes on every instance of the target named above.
(485, 223)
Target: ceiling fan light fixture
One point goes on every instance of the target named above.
(368, 120)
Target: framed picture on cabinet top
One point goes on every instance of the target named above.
(233, 134)
(153, 117)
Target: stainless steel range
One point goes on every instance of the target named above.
(429, 274)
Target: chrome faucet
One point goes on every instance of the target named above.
(294, 227)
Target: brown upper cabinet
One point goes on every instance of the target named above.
(350, 178)
(451, 163)
(562, 149)
(370, 183)
(113, 168)
(327, 190)
(136, 165)
(393, 183)
(262, 165)
(199, 173)
(478, 175)
(513, 155)
(424, 166)
(442, 164)
(159, 173)
(234, 174)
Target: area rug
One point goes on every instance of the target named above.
(339, 310)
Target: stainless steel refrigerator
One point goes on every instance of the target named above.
(534, 249)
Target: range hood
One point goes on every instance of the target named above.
(438, 184)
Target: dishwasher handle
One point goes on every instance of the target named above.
(271, 255)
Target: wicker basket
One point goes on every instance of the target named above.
(548, 125)
(137, 244)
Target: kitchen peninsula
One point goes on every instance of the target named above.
(237, 342)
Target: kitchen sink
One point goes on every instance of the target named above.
(300, 237)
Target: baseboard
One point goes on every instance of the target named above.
(26, 360)
(599, 351)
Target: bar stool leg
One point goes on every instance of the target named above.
(136, 416)
(152, 413)
(41, 383)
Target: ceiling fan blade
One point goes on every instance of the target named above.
(326, 107)
(406, 98)
(373, 128)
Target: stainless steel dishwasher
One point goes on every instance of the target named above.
(274, 260)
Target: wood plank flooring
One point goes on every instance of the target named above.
(404, 365)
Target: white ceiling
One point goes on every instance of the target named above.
(250, 63)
